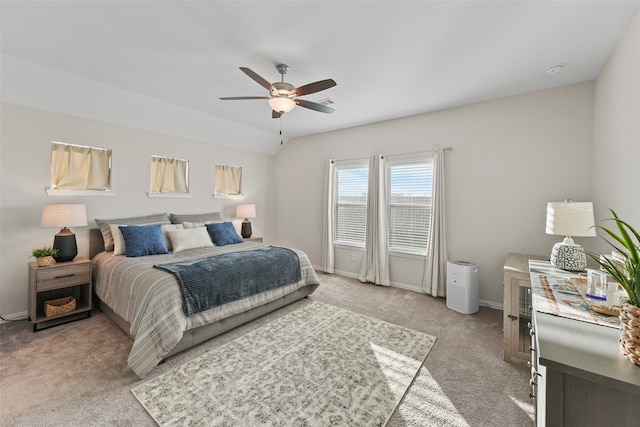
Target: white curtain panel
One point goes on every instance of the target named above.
(228, 180)
(77, 167)
(375, 262)
(168, 175)
(327, 244)
(434, 280)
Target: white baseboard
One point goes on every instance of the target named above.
(484, 303)
(15, 316)
(491, 304)
(407, 287)
(345, 274)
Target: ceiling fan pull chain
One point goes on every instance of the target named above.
(280, 130)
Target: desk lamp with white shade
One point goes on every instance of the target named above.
(569, 219)
(64, 216)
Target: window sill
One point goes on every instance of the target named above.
(398, 254)
(349, 246)
(168, 195)
(228, 196)
(407, 255)
(90, 193)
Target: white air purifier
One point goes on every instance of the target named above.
(463, 286)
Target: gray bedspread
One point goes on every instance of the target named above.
(209, 282)
(149, 298)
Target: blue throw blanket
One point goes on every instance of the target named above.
(216, 280)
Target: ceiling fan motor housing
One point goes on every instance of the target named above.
(282, 69)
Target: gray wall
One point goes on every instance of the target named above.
(616, 136)
(25, 163)
(510, 157)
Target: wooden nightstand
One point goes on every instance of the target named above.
(253, 239)
(59, 280)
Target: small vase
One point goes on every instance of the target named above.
(44, 261)
(630, 332)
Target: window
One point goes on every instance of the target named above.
(169, 175)
(228, 180)
(78, 167)
(350, 202)
(409, 189)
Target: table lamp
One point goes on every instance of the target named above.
(64, 216)
(246, 211)
(568, 219)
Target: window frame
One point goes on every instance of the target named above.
(53, 190)
(169, 194)
(410, 251)
(218, 187)
(356, 164)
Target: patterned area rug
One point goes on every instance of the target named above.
(317, 366)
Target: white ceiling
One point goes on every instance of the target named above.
(390, 59)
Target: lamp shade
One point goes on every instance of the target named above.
(64, 216)
(570, 219)
(281, 104)
(246, 211)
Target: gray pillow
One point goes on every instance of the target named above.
(105, 229)
(205, 217)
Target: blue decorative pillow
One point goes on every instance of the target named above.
(223, 233)
(141, 240)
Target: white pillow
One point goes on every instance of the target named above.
(119, 247)
(165, 234)
(189, 238)
(188, 224)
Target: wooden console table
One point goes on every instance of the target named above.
(578, 377)
(517, 307)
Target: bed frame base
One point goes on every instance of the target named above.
(200, 334)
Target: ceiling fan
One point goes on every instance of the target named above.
(284, 96)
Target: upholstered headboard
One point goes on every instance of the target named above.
(96, 244)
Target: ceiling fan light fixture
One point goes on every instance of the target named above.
(281, 104)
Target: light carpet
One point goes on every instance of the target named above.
(319, 365)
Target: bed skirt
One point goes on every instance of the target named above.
(200, 334)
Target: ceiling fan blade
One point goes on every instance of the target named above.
(314, 87)
(314, 106)
(235, 98)
(275, 114)
(258, 79)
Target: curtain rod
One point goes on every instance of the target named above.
(450, 148)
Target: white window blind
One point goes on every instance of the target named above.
(169, 175)
(78, 167)
(350, 205)
(409, 191)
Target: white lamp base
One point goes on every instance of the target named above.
(568, 256)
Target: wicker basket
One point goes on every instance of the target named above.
(59, 306)
(45, 261)
(630, 332)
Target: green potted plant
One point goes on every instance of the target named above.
(44, 256)
(625, 269)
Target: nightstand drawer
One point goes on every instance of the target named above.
(62, 276)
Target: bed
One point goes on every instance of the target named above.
(145, 300)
